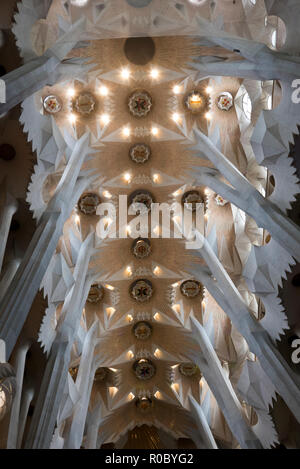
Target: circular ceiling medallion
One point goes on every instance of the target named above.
(142, 330)
(144, 369)
(141, 197)
(191, 288)
(96, 293)
(141, 248)
(139, 50)
(140, 103)
(100, 375)
(7, 152)
(141, 290)
(188, 369)
(84, 103)
(195, 102)
(192, 197)
(140, 153)
(225, 101)
(144, 404)
(52, 104)
(88, 203)
(220, 201)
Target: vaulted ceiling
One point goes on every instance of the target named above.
(136, 352)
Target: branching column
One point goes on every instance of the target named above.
(8, 209)
(20, 294)
(228, 297)
(84, 382)
(221, 388)
(245, 196)
(56, 372)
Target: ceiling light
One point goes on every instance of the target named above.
(156, 230)
(177, 193)
(176, 117)
(126, 132)
(71, 92)
(103, 90)
(72, 118)
(110, 311)
(154, 73)
(125, 73)
(127, 177)
(208, 89)
(105, 119)
(175, 387)
(208, 116)
(154, 131)
(107, 195)
(176, 89)
(113, 391)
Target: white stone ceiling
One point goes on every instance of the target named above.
(231, 232)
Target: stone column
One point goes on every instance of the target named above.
(35, 74)
(9, 208)
(19, 361)
(93, 428)
(245, 196)
(228, 297)
(56, 372)
(84, 382)
(19, 296)
(221, 388)
(264, 63)
(8, 274)
(26, 401)
(27, 79)
(202, 425)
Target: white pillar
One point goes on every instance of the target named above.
(35, 74)
(8, 274)
(56, 372)
(93, 428)
(26, 401)
(19, 296)
(2, 351)
(84, 382)
(202, 425)
(19, 363)
(225, 293)
(221, 387)
(7, 212)
(244, 195)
